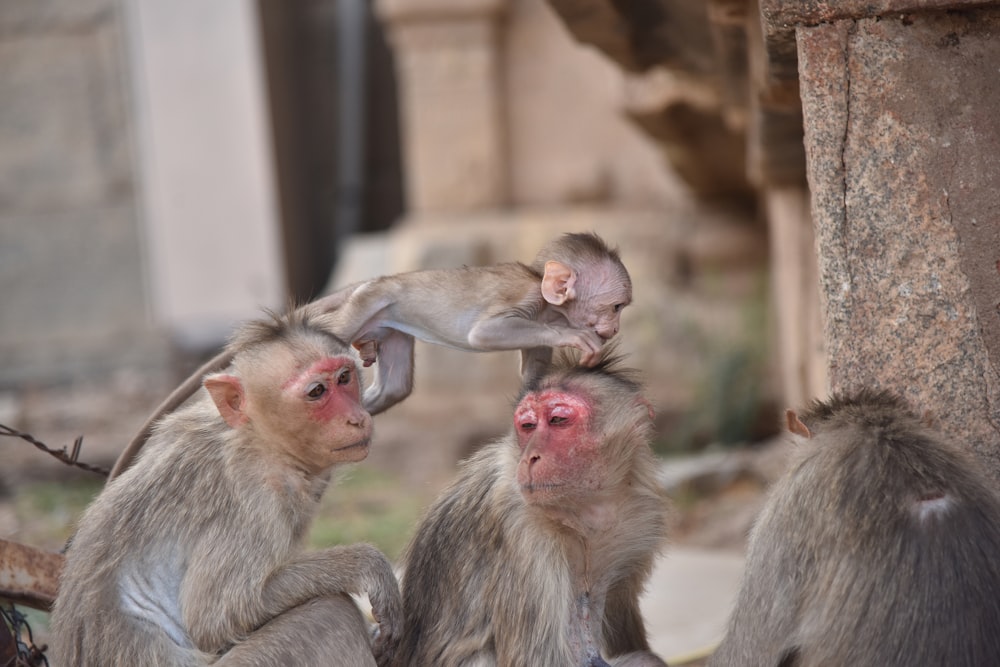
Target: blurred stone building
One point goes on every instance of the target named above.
(167, 169)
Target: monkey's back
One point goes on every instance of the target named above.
(879, 549)
(456, 299)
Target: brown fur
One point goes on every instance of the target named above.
(193, 556)
(573, 297)
(877, 549)
(492, 578)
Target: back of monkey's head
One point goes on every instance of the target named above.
(866, 407)
(578, 250)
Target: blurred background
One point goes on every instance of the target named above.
(168, 169)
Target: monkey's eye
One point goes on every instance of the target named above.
(527, 426)
(315, 390)
(344, 377)
(555, 420)
(618, 307)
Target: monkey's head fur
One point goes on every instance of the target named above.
(565, 366)
(867, 408)
(276, 326)
(576, 249)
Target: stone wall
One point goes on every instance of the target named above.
(71, 261)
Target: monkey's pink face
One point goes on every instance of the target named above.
(599, 307)
(334, 426)
(559, 452)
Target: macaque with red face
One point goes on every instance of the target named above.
(571, 296)
(537, 553)
(193, 556)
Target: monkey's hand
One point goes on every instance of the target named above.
(588, 342)
(387, 608)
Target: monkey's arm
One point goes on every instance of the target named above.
(394, 373)
(624, 630)
(511, 331)
(359, 568)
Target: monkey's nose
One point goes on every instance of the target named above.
(359, 419)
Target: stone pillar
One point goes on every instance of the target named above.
(902, 140)
(449, 77)
(799, 337)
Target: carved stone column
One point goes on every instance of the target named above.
(452, 122)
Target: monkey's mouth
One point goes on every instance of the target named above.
(533, 487)
(364, 443)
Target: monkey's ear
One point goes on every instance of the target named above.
(795, 425)
(557, 283)
(227, 394)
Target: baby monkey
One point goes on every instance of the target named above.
(193, 557)
(571, 296)
(877, 549)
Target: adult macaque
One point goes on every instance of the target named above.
(572, 296)
(877, 549)
(538, 552)
(193, 556)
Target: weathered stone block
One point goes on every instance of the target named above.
(62, 126)
(902, 145)
(74, 298)
(447, 59)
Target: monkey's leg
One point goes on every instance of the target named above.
(639, 659)
(394, 372)
(323, 631)
(534, 362)
(368, 349)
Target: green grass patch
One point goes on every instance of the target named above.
(366, 505)
(47, 511)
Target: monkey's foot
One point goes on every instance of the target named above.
(368, 349)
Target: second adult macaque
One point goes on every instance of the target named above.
(877, 549)
(571, 296)
(193, 556)
(538, 552)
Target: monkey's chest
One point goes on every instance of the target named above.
(584, 625)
